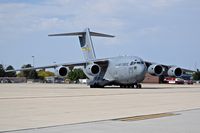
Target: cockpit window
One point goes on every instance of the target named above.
(136, 62)
(132, 63)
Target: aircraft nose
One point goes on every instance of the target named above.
(142, 69)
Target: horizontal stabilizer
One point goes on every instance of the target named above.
(100, 34)
(68, 34)
(85, 41)
(82, 33)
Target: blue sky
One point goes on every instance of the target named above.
(162, 31)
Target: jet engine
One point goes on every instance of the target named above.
(175, 71)
(62, 71)
(155, 69)
(93, 69)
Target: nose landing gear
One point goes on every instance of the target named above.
(138, 86)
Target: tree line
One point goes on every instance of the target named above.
(29, 74)
(9, 74)
(196, 75)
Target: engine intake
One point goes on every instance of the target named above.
(175, 71)
(93, 69)
(62, 71)
(155, 69)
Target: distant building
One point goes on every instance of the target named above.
(151, 79)
(53, 79)
(82, 81)
(187, 75)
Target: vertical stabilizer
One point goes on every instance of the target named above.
(85, 42)
(87, 46)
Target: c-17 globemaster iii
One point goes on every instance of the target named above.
(124, 71)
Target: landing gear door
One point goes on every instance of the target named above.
(116, 74)
(131, 71)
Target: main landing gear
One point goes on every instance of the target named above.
(131, 86)
(121, 86)
(96, 86)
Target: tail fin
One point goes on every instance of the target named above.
(85, 41)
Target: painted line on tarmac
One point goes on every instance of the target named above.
(146, 117)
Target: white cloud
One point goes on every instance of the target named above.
(134, 22)
(149, 31)
(164, 3)
(113, 15)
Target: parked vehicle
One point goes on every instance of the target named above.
(173, 80)
(188, 81)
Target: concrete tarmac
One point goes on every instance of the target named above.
(32, 107)
(181, 122)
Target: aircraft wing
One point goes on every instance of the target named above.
(167, 67)
(70, 65)
(50, 66)
(150, 63)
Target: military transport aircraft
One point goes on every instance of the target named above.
(124, 71)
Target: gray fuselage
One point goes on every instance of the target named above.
(123, 70)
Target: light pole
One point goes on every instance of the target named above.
(33, 60)
(54, 72)
(54, 67)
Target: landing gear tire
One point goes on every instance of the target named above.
(91, 86)
(126, 86)
(138, 86)
(96, 86)
(131, 86)
(123, 86)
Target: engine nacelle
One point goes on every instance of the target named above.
(62, 71)
(93, 69)
(175, 71)
(155, 69)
